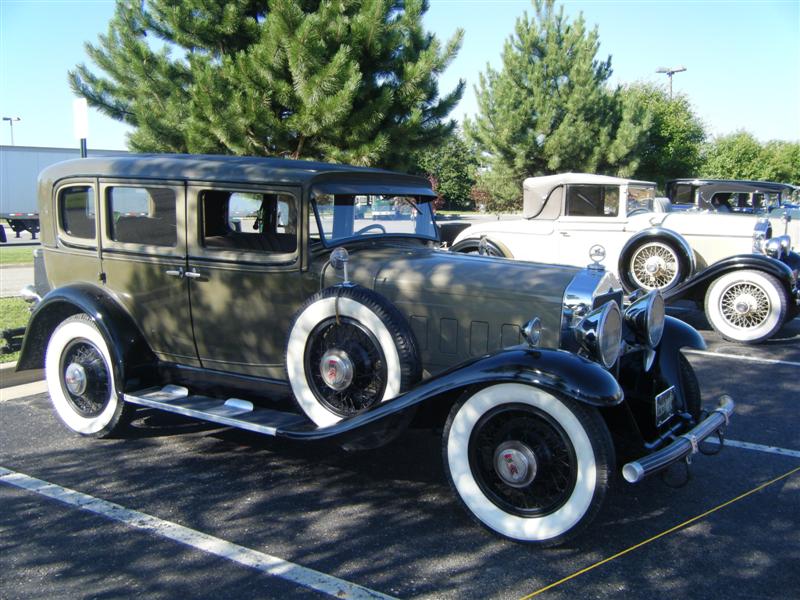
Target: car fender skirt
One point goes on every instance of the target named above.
(695, 287)
(560, 373)
(124, 339)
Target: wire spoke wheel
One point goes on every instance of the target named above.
(654, 266)
(85, 379)
(523, 460)
(346, 365)
(745, 305)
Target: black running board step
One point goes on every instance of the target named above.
(232, 412)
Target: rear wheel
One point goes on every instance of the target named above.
(746, 306)
(81, 381)
(527, 465)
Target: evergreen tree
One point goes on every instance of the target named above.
(548, 110)
(452, 166)
(673, 141)
(340, 80)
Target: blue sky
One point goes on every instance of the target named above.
(742, 58)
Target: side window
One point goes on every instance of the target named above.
(683, 194)
(142, 215)
(254, 222)
(77, 212)
(592, 201)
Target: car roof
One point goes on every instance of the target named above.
(227, 168)
(546, 183)
(739, 184)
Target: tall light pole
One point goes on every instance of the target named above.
(669, 72)
(11, 121)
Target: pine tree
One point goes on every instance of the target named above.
(340, 80)
(548, 109)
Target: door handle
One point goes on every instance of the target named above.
(175, 272)
(193, 274)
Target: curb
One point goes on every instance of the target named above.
(10, 377)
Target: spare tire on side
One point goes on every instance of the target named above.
(349, 349)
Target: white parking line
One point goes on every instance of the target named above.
(769, 361)
(271, 565)
(757, 447)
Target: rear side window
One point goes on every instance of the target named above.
(142, 215)
(593, 200)
(77, 212)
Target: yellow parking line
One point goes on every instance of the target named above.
(660, 535)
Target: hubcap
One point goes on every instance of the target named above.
(75, 378)
(336, 369)
(515, 464)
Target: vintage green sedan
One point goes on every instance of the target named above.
(271, 295)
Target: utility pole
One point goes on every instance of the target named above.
(669, 72)
(11, 121)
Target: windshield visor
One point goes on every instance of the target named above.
(342, 217)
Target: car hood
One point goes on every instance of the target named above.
(468, 293)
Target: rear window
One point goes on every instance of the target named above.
(77, 212)
(142, 215)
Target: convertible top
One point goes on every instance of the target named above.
(536, 190)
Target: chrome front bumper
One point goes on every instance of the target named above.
(683, 445)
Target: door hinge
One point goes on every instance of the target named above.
(101, 276)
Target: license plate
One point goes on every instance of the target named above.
(665, 405)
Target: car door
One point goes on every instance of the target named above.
(592, 215)
(245, 275)
(143, 258)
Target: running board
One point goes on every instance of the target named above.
(232, 412)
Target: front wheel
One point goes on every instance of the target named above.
(746, 306)
(81, 381)
(527, 465)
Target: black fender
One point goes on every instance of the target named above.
(677, 335)
(125, 341)
(556, 371)
(695, 287)
(493, 247)
(654, 234)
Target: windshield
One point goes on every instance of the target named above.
(348, 216)
(640, 198)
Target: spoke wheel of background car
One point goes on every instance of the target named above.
(527, 465)
(80, 379)
(746, 306)
(473, 247)
(656, 265)
(349, 349)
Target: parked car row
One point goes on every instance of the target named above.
(739, 267)
(321, 320)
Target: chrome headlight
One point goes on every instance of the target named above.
(645, 318)
(600, 333)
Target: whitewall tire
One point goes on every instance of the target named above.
(348, 350)
(746, 306)
(527, 465)
(78, 369)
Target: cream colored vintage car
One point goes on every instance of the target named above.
(745, 277)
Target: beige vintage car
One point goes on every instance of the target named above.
(745, 276)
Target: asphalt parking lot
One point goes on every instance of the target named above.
(178, 509)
